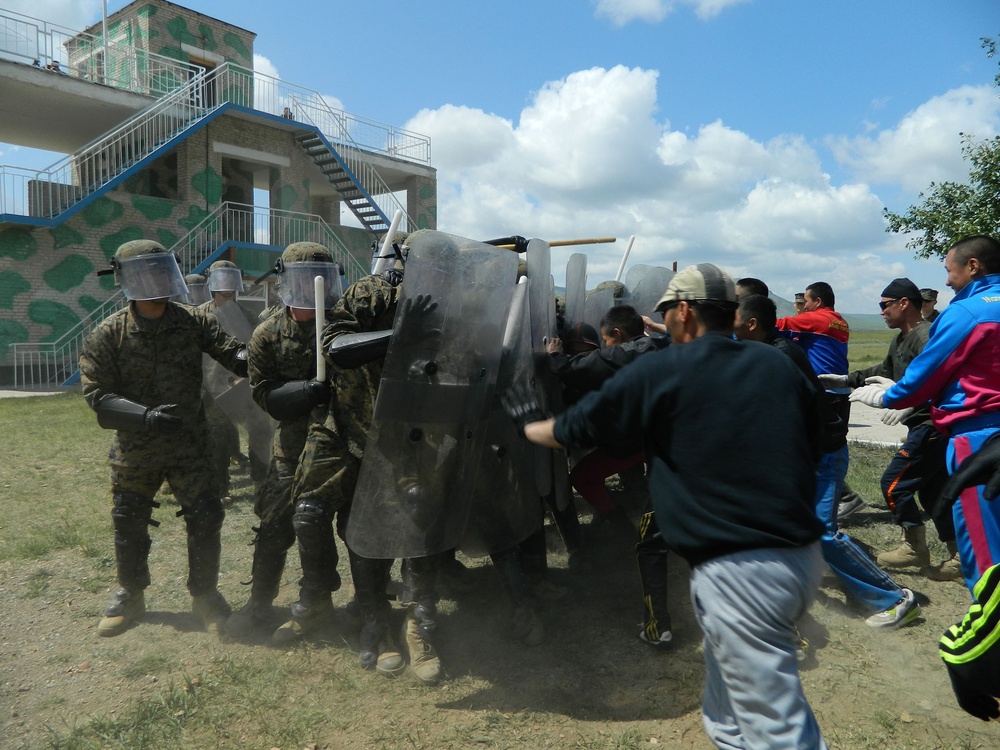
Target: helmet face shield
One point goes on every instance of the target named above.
(225, 280)
(198, 294)
(297, 284)
(153, 276)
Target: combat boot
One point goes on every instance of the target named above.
(911, 553)
(949, 569)
(312, 611)
(270, 550)
(527, 627)
(418, 629)
(378, 650)
(255, 614)
(125, 608)
(214, 610)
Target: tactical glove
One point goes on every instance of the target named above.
(116, 412)
(521, 405)
(982, 467)
(415, 317)
(160, 421)
(296, 398)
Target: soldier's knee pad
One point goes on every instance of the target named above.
(312, 521)
(132, 512)
(204, 517)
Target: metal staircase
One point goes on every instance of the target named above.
(51, 195)
(339, 174)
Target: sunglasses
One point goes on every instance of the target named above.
(887, 303)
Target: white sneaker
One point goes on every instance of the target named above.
(905, 611)
(663, 642)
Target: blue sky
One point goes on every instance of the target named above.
(761, 135)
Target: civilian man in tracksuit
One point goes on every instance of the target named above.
(957, 373)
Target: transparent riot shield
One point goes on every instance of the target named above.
(646, 284)
(576, 288)
(551, 471)
(541, 298)
(232, 394)
(506, 508)
(424, 448)
(598, 302)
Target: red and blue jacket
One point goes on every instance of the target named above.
(958, 371)
(823, 334)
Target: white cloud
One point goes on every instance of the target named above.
(622, 12)
(272, 96)
(588, 157)
(75, 15)
(924, 146)
(263, 65)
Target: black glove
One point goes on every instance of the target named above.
(973, 700)
(415, 317)
(982, 467)
(296, 398)
(319, 391)
(160, 421)
(521, 404)
(240, 366)
(393, 275)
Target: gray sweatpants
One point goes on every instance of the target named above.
(747, 604)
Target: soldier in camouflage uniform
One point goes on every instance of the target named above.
(325, 482)
(283, 382)
(224, 282)
(141, 371)
(197, 290)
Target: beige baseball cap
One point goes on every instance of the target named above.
(704, 282)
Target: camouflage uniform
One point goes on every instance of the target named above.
(155, 362)
(328, 472)
(328, 469)
(281, 350)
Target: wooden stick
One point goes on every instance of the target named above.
(562, 243)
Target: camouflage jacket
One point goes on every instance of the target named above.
(156, 362)
(283, 349)
(368, 305)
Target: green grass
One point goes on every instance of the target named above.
(592, 685)
(54, 477)
(867, 348)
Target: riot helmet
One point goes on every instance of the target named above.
(146, 271)
(225, 276)
(197, 286)
(297, 269)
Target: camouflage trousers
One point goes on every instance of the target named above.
(135, 479)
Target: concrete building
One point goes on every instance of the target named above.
(169, 135)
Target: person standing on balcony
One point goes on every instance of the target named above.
(141, 371)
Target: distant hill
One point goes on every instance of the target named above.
(857, 321)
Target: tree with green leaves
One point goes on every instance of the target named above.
(952, 210)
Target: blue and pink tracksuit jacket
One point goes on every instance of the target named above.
(958, 373)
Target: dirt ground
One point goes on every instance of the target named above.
(592, 684)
